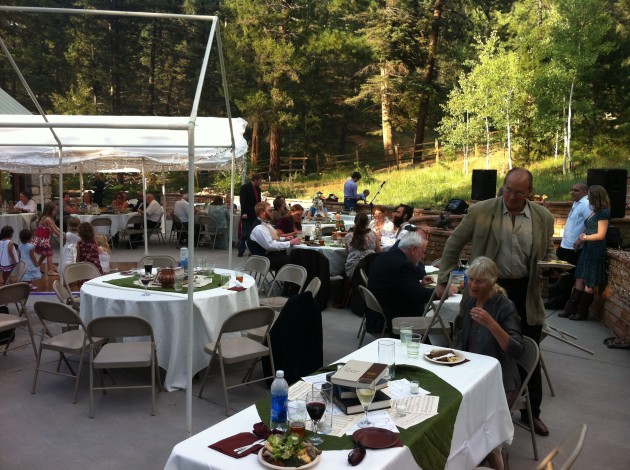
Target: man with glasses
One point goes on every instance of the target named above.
(516, 233)
(265, 241)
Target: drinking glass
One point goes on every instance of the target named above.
(239, 276)
(146, 279)
(387, 355)
(326, 422)
(405, 331)
(413, 346)
(178, 283)
(148, 266)
(211, 267)
(297, 416)
(202, 262)
(315, 406)
(365, 393)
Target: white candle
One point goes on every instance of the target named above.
(414, 387)
(401, 410)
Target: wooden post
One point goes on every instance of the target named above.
(437, 151)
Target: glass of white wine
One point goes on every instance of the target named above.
(365, 393)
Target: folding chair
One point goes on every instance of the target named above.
(73, 340)
(291, 273)
(241, 348)
(17, 273)
(121, 355)
(372, 304)
(528, 361)
(209, 231)
(103, 226)
(17, 294)
(65, 296)
(313, 286)
(564, 455)
(159, 261)
(157, 231)
(133, 228)
(177, 229)
(258, 267)
(77, 273)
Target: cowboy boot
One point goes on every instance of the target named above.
(572, 304)
(582, 310)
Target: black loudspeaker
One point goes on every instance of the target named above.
(615, 181)
(484, 185)
(456, 206)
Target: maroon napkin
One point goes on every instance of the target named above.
(238, 288)
(226, 446)
(459, 363)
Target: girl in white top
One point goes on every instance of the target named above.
(103, 251)
(8, 253)
(69, 252)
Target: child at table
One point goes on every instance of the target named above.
(8, 254)
(45, 228)
(27, 254)
(103, 252)
(69, 252)
(87, 249)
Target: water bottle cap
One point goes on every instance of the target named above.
(280, 374)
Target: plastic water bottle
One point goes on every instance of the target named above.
(279, 399)
(183, 258)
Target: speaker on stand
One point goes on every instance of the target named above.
(615, 182)
(484, 185)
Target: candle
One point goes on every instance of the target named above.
(401, 409)
(414, 387)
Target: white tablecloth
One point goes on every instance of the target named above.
(168, 315)
(119, 221)
(18, 222)
(336, 256)
(482, 423)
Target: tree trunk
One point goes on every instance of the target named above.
(428, 80)
(255, 143)
(152, 67)
(487, 143)
(569, 129)
(274, 152)
(386, 112)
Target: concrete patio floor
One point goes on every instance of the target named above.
(47, 431)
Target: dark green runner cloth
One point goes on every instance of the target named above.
(129, 282)
(429, 441)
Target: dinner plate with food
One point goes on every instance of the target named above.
(288, 452)
(444, 357)
(555, 264)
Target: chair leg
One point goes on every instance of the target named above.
(37, 363)
(205, 377)
(544, 368)
(225, 393)
(153, 362)
(91, 383)
(531, 426)
(361, 333)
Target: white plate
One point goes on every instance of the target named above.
(459, 360)
(431, 269)
(552, 265)
(276, 467)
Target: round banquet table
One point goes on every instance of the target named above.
(168, 314)
(18, 222)
(119, 221)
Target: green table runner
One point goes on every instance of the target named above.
(429, 441)
(130, 282)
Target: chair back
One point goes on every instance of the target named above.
(209, 223)
(120, 326)
(290, 273)
(247, 319)
(102, 225)
(528, 361)
(364, 277)
(257, 267)
(81, 271)
(17, 273)
(135, 219)
(370, 300)
(564, 455)
(57, 313)
(159, 261)
(177, 222)
(17, 293)
(313, 286)
(62, 293)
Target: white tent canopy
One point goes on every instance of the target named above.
(29, 149)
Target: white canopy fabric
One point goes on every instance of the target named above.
(25, 149)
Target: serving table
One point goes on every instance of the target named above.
(168, 314)
(482, 422)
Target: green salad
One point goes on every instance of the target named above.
(288, 450)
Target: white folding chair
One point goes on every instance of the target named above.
(78, 272)
(372, 304)
(564, 455)
(258, 267)
(289, 273)
(16, 294)
(528, 361)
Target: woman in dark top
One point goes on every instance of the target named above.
(491, 326)
(591, 268)
(291, 224)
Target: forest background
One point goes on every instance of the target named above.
(339, 85)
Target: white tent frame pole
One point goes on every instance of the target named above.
(163, 223)
(144, 212)
(61, 211)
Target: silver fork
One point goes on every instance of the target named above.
(240, 450)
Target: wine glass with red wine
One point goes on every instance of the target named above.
(146, 280)
(315, 407)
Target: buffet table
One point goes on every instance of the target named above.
(482, 422)
(168, 314)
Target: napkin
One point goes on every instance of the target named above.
(238, 288)
(459, 363)
(226, 446)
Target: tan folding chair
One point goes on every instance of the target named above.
(564, 455)
(258, 268)
(372, 304)
(134, 227)
(16, 294)
(73, 340)
(157, 231)
(291, 273)
(65, 296)
(121, 355)
(241, 348)
(103, 226)
(77, 273)
(313, 286)
(528, 361)
(177, 229)
(17, 273)
(159, 261)
(209, 231)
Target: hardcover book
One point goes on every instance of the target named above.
(351, 406)
(353, 371)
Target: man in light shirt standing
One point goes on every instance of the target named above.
(580, 210)
(180, 209)
(265, 241)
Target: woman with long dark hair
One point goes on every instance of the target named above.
(360, 242)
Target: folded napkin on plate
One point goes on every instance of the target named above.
(238, 288)
(226, 446)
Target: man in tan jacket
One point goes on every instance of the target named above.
(516, 234)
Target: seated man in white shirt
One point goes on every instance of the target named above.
(26, 204)
(154, 211)
(265, 241)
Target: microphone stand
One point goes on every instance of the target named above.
(375, 196)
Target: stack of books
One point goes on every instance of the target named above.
(346, 380)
